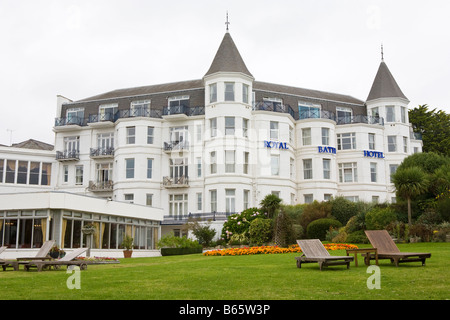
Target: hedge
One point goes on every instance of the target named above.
(318, 228)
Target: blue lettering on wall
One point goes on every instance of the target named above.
(373, 154)
(327, 150)
(275, 144)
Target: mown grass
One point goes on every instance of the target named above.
(256, 277)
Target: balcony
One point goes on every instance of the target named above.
(67, 156)
(183, 110)
(204, 216)
(360, 119)
(98, 153)
(176, 146)
(176, 182)
(100, 186)
(273, 106)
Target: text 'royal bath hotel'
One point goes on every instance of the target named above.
(221, 143)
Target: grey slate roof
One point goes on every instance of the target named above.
(33, 144)
(384, 85)
(228, 58)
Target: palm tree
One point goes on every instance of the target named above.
(410, 182)
(270, 204)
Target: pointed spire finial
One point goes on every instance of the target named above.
(382, 52)
(227, 23)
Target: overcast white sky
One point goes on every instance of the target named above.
(78, 49)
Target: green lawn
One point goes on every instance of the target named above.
(257, 277)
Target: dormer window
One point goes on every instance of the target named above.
(140, 108)
(75, 116)
(179, 101)
(106, 112)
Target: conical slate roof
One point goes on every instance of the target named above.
(384, 85)
(228, 58)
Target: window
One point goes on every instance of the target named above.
(326, 168)
(34, 172)
(178, 169)
(344, 115)
(104, 173)
(178, 205)
(309, 198)
(405, 144)
(46, 174)
(308, 110)
(327, 196)
(177, 102)
(246, 199)
(245, 166)
(213, 92)
(2, 163)
(199, 167)
(213, 162)
(275, 165)
(348, 172)
(245, 93)
(403, 114)
(291, 135)
(180, 136)
(352, 198)
(373, 172)
(375, 199)
(392, 169)
(325, 136)
(390, 114)
(307, 169)
(229, 91)
(374, 112)
(140, 108)
(198, 129)
(306, 136)
(229, 126)
(10, 171)
(78, 175)
(229, 161)
(149, 168)
(149, 199)
(199, 201)
(75, 116)
(371, 141)
(105, 142)
(292, 168)
(392, 143)
(131, 135)
(129, 197)
(213, 197)
(22, 172)
(346, 141)
(273, 130)
(129, 164)
(106, 112)
(230, 200)
(71, 147)
(65, 173)
(150, 135)
(213, 125)
(245, 128)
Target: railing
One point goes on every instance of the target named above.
(176, 182)
(67, 155)
(273, 106)
(101, 152)
(189, 111)
(317, 114)
(360, 119)
(70, 121)
(176, 145)
(204, 216)
(100, 186)
(415, 135)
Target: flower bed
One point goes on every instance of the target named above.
(272, 249)
(97, 260)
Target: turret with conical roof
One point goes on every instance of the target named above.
(384, 85)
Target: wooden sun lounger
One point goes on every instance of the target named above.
(314, 251)
(67, 260)
(42, 254)
(8, 263)
(387, 249)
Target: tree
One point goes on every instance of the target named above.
(410, 182)
(270, 204)
(434, 126)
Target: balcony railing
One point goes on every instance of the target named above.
(176, 146)
(73, 120)
(360, 119)
(273, 106)
(100, 186)
(317, 114)
(67, 155)
(176, 182)
(189, 111)
(204, 216)
(101, 152)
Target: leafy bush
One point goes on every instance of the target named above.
(313, 211)
(318, 228)
(343, 209)
(378, 218)
(421, 230)
(284, 232)
(239, 223)
(260, 231)
(204, 234)
(294, 211)
(357, 237)
(170, 241)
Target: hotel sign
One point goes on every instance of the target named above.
(327, 150)
(373, 154)
(275, 145)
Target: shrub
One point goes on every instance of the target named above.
(313, 211)
(343, 209)
(318, 228)
(294, 211)
(260, 231)
(421, 230)
(284, 233)
(204, 235)
(357, 237)
(239, 223)
(378, 218)
(170, 241)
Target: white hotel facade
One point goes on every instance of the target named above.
(210, 147)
